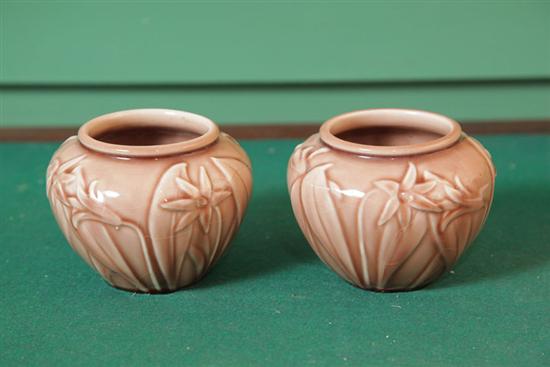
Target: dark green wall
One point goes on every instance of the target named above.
(240, 62)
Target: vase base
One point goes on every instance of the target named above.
(393, 290)
(156, 291)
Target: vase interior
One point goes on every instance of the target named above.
(145, 135)
(388, 136)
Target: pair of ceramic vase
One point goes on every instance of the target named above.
(389, 199)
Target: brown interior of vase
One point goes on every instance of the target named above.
(388, 135)
(145, 135)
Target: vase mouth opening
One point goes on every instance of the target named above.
(148, 133)
(390, 132)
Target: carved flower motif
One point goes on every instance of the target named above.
(455, 200)
(302, 155)
(404, 196)
(85, 202)
(89, 203)
(61, 178)
(197, 202)
(435, 194)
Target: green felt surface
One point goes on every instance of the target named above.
(270, 301)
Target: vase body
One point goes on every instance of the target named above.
(386, 221)
(156, 220)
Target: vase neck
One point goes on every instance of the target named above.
(390, 132)
(148, 133)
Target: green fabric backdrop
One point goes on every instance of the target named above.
(62, 63)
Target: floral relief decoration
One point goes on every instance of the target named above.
(303, 154)
(85, 202)
(433, 195)
(74, 200)
(197, 202)
(421, 197)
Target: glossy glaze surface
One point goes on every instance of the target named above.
(390, 217)
(150, 218)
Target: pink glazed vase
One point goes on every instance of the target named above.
(389, 199)
(149, 198)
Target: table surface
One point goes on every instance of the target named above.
(270, 301)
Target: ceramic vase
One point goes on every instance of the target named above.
(150, 198)
(389, 199)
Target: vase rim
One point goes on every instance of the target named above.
(207, 131)
(448, 128)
